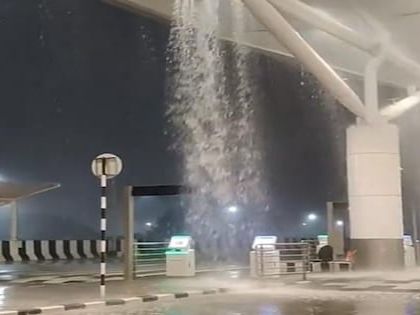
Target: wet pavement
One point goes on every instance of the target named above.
(23, 297)
(274, 302)
(323, 294)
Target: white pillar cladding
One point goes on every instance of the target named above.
(13, 221)
(374, 191)
(14, 250)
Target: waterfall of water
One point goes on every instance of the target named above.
(215, 125)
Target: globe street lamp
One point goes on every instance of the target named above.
(312, 217)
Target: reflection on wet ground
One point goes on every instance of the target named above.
(270, 304)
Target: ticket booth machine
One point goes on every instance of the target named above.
(264, 258)
(322, 241)
(180, 257)
(409, 252)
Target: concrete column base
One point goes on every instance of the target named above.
(378, 254)
(374, 192)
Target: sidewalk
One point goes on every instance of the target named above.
(18, 297)
(23, 297)
(397, 281)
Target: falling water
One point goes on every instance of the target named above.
(215, 124)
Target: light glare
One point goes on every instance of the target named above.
(233, 209)
(312, 217)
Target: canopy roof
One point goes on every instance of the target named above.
(12, 191)
(370, 19)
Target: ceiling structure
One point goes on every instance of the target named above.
(400, 20)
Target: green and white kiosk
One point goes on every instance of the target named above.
(180, 257)
(264, 259)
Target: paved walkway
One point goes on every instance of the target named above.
(404, 281)
(24, 297)
(17, 296)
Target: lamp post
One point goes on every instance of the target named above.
(312, 217)
(105, 166)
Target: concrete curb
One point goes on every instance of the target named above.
(114, 302)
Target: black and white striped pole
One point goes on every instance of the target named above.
(105, 166)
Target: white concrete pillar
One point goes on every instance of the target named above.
(13, 221)
(374, 191)
(335, 231)
(128, 227)
(14, 250)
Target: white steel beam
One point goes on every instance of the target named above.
(324, 22)
(265, 13)
(398, 108)
(328, 24)
(371, 89)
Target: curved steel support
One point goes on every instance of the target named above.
(328, 24)
(265, 13)
(324, 22)
(371, 88)
(397, 109)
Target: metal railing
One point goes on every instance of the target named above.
(149, 258)
(313, 252)
(282, 259)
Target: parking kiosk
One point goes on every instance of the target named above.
(180, 257)
(264, 258)
(322, 241)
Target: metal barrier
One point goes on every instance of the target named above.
(282, 259)
(313, 248)
(149, 258)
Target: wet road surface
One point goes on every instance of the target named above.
(275, 304)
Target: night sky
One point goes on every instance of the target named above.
(79, 77)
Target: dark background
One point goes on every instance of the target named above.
(79, 77)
